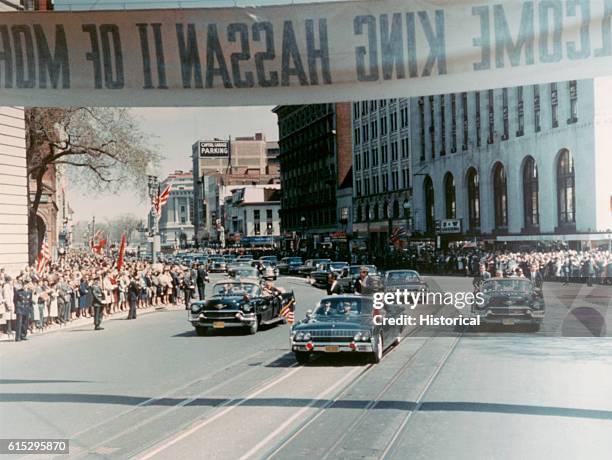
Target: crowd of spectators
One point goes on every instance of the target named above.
(63, 292)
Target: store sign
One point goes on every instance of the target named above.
(297, 54)
(450, 226)
(213, 148)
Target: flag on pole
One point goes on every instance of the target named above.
(121, 253)
(162, 199)
(44, 257)
(397, 234)
(288, 311)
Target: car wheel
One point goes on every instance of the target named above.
(254, 326)
(301, 357)
(201, 331)
(376, 355)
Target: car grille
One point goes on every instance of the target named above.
(508, 311)
(332, 334)
(220, 314)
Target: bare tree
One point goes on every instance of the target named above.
(103, 148)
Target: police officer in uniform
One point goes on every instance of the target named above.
(202, 277)
(23, 305)
(98, 303)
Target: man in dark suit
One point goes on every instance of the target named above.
(480, 277)
(202, 277)
(364, 284)
(98, 302)
(535, 276)
(23, 305)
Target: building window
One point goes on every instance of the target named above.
(453, 123)
(355, 110)
(520, 112)
(428, 192)
(383, 103)
(554, 103)
(359, 215)
(566, 199)
(374, 128)
(373, 105)
(396, 209)
(376, 182)
(367, 185)
(536, 108)
(358, 184)
(357, 136)
(443, 125)
(357, 162)
(393, 121)
(404, 116)
(406, 177)
(500, 196)
(506, 122)
(364, 107)
(405, 148)
(450, 196)
(364, 130)
(384, 154)
(368, 214)
(421, 105)
(385, 182)
(478, 134)
(491, 103)
(269, 222)
(395, 180)
(383, 126)
(256, 222)
(464, 109)
(473, 200)
(394, 153)
(530, 193)
(573, 94)
(432, 126)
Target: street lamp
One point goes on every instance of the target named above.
(153, 184)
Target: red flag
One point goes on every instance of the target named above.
(121, 252)
(98, 247)
(162, 199)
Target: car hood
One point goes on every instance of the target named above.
(512, 296)
(223, 302)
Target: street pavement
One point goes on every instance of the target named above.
(151, 388)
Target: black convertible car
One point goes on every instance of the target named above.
(345, 323)
(510, 301)
(237, 304)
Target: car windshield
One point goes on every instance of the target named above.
(520, 285)
(355, 269)
(402, 277)
(337, 265)
(292, 260)
(223, 289)
(244, 271)
(341, 307)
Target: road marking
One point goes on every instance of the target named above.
(203, 423)
(290, 420)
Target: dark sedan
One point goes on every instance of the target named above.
(289, 265)
(345, 324)
(510, 301)
(320, 276)
(404, 279)
(237, 304)
(311, 265)
(216, 264)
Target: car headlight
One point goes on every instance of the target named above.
(299, 336)
(357, 337)
(195, 308)
(365, 336)
(247, 307)
(307, 336)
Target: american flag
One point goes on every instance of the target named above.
(288, 311)
(161, 199)
(44, 257)
(397, 234)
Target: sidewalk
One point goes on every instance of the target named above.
(85, 322)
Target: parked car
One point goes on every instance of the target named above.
(310, 265)
(344, 324)
(289, 265)
(321, 275)
(510, 301)
(240, 304)
(404, 279)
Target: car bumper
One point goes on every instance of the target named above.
(333, 347)
(233, 319)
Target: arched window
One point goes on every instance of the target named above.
(359, 215)
(367, 213)
(396, 209)
(566, 198)
(531, 207)
(450, 196)
(500, 196)
(428, 192)
(375, 212)
(473, 199)
(385, 210)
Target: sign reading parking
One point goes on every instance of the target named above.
(213, 148)
(295, 54)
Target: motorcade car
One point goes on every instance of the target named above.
(242, 271)
(289, 265)
(216, 264)
(310, 265)
(244, 257)
(272, 259)
(404, 279)
(351, 274)
(345, 324)
(237, 304)
(510, 301)
(321, 275)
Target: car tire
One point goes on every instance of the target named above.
(376, 355)
(254, 326)
(201, 331)
(301, 357)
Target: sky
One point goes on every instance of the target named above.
(174, 130)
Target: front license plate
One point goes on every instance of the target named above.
(507, 322)
(332, 349)
(218, 324)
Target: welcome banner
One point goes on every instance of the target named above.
(295, 54)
